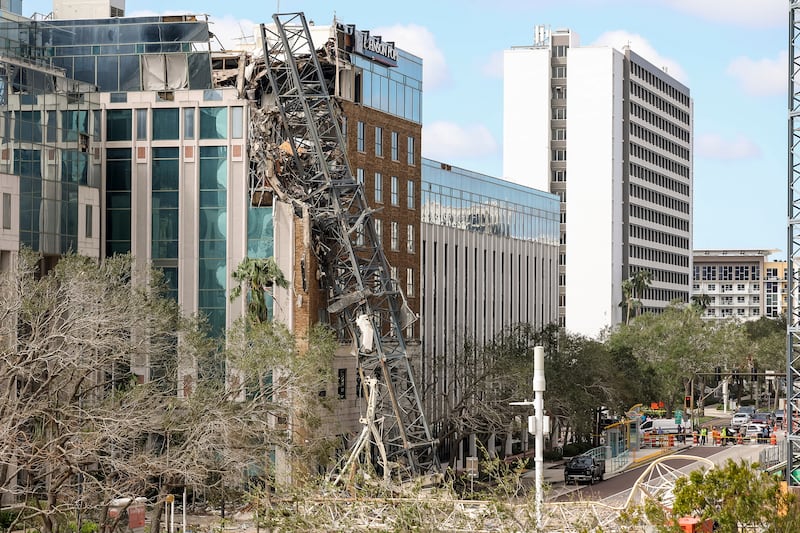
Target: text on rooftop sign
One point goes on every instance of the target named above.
(371, 46)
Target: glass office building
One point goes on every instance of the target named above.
(464, 199)
(50, 130)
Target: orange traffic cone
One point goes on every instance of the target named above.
(773, 439)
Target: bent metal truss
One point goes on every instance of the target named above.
(363, 300)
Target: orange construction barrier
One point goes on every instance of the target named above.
(739, 439)
(671, 440)
(773, 439)
(695, 438)
(694, 525)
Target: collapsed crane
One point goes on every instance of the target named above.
(311, 171)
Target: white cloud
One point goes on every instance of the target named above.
(421, 42)
(620, 38)
(714, 146)
(761, 76)
(447, 141)
(747, 13)
(233, 33)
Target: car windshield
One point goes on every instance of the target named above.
(581, 461)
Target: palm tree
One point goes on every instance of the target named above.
(701, 302)
(259, 275)
(633, 290)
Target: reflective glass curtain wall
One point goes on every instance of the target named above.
(212, 266)
(47, 126)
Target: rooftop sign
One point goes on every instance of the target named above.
(370, 46)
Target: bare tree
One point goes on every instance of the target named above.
(90, 410)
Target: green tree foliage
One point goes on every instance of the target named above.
(633, 290)
(258, 275)
(738, 496)
(675, 345)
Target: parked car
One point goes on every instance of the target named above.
(740, 419)
(584, 468)
(759, 432)
(761, 418)
(749, 409)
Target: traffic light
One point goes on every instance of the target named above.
(718, 373)
(754, 373)
(687, 402)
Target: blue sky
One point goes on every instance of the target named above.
(732, 54)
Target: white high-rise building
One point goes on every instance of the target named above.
(611, 134)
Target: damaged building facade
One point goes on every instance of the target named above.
(129, 134)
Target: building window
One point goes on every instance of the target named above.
(378, 141)
(237, 122)
(213, 122)
(188, 123)
(559, 113)
(411, 150)
(410, 194)
(395, 150)
(89, 223)
(395, 229)
(560, 134)
(341, 384)
(559, 92)
(560, 51)
(119, 124)
(6, 210)
(395, 191)
(410, 239)
(559, 155)
(410, 282)
(378, 188)
(360, 175)
(360, 136)
(378, 229)
(166, 124)
(141, 124)
(560, 71)
(359, 389)
(560, 175)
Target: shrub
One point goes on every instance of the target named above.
(571, 450)
(555, 454)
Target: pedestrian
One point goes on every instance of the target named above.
(703, 435)
(723, 434)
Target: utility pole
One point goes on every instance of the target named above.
(539, 387)
(538, 425)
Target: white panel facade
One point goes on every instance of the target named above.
(476, 284)
(526, 117)
(594, 189)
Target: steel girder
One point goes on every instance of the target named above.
(793, 245)
(355, 272)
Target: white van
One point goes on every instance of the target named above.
(667, 426)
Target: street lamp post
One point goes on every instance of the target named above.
(538, 413)
(537, 426)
